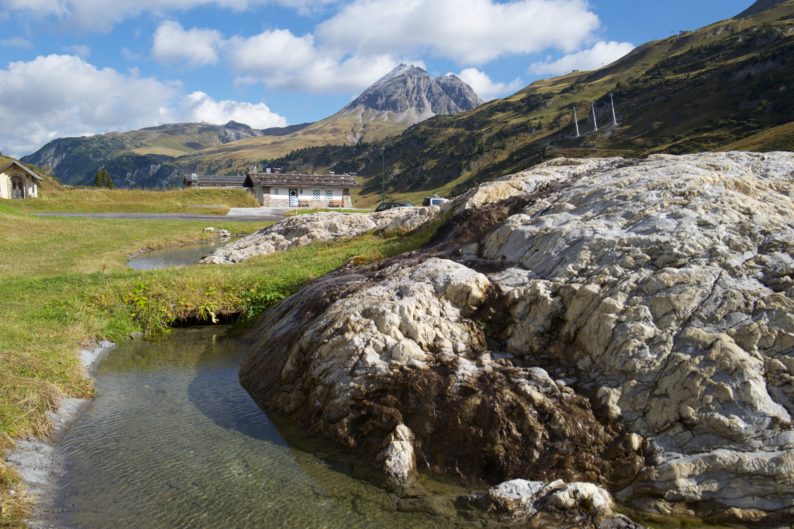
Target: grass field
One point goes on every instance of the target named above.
(65, 285)
(54, 198)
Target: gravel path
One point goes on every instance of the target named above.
(170, 216)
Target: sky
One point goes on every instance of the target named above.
(81, 67)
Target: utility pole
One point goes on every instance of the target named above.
(595, 120)
(576, 121)
(614, 116)
(383, 176)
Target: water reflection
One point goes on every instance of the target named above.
(183, 255)
(173, 440)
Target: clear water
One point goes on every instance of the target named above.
(173, 441)
(183, 255)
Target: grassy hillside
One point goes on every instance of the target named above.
(343, 128)
(727, 85)
(140, 158)
(157, 157)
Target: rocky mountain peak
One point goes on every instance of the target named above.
(411, 90)
(236, 125)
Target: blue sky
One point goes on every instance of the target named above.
(74, 67)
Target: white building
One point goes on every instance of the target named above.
(17, 181)
(293, 190)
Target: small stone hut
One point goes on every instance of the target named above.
(17, 181)
(293, 190)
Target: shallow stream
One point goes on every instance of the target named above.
(179, 256)
(173, 441)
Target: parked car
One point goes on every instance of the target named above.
(434, 201)
(391, 205)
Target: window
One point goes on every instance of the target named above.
(329, 194)
(316, 194)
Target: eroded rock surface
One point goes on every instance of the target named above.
(519, 498)
(301, 230)
(624, 323)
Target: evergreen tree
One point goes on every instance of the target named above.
(103, 179)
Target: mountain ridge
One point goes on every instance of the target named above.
(723, 85)
(155, 156)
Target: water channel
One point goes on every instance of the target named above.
(181, 255)
(173, 441)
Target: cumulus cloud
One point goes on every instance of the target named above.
(280, 59)
(102, 15)
(201, 107)
(601, 54)
(63, 95)
(485, 87)
(193, 47)
(467, 31)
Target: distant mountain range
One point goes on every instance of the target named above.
(726, 86)
(156, 156)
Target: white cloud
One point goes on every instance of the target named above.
(81, 50)
(201, 107)
(63, 95)
(130, 55)
(49, 7)
(602, 54)
(485, 87)
(193, 47)
(16, 42)
(281, 59)
(467, 31)
(102, 15)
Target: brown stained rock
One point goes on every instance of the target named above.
(505, 421)
(660, 289)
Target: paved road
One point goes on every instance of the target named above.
(267, 217)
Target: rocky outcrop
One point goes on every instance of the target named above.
(624, 323)
(519, 498)
(410, 90)
(361, 357)
(301, 230)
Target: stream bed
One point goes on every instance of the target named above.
(178, 256)
(173, 441)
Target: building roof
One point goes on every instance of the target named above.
(14, 163)
(300, 180)
(215, 180)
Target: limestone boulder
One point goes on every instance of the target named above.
(300, 230)
(400, 350)
(554, 504)
(625, 323)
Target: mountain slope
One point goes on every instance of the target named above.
(139, 158)
(404, 97)
(155, 156)
(701, 90)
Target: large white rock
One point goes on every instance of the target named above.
(661, 288)
(301, 230)
(667, 284)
